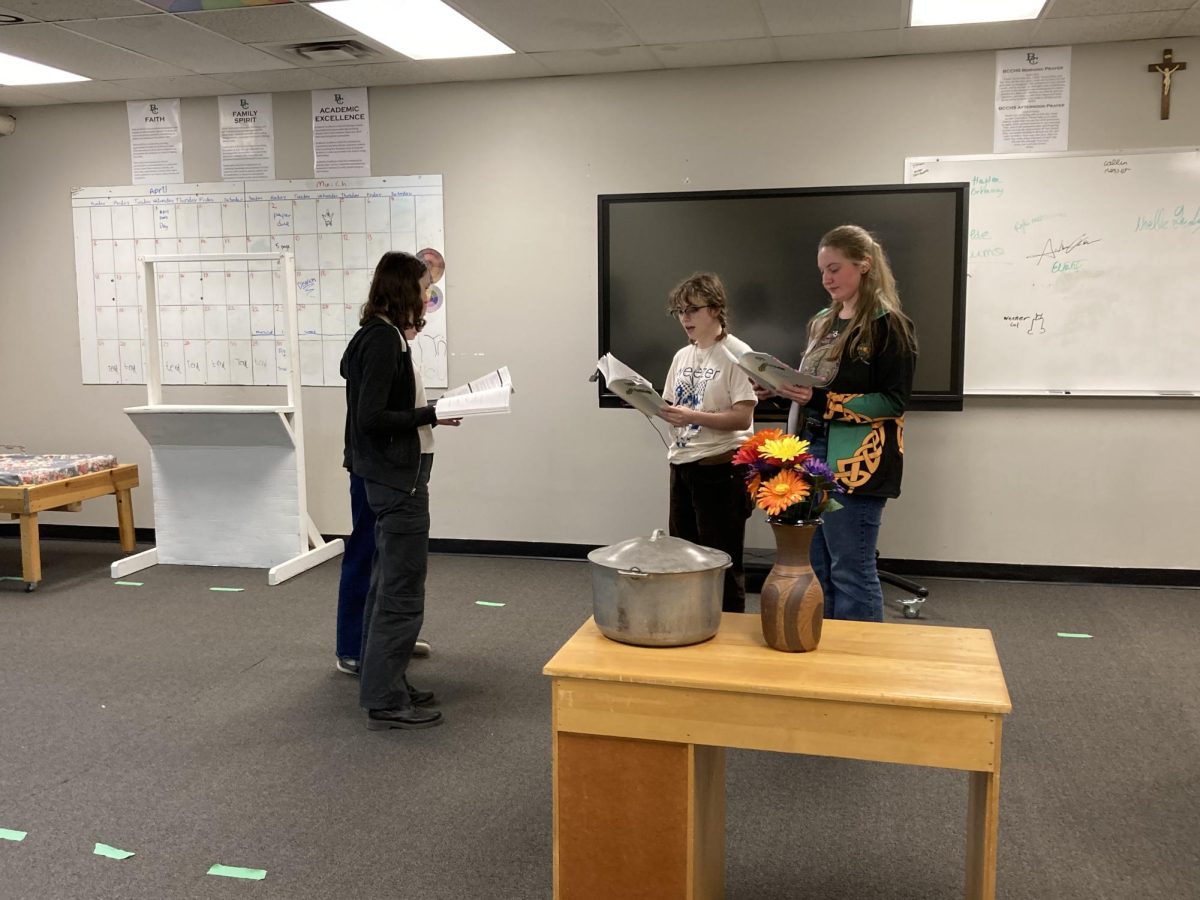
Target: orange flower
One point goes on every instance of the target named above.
(782, 491)
(753, 482)
(748, 452)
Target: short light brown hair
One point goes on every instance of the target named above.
(701, 289)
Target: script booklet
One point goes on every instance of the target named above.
(631, 387)
(774, 373)
(486, 395)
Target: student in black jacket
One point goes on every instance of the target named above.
(389, 444)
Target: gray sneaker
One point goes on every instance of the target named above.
(347, 664)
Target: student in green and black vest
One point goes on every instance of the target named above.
(864, 348)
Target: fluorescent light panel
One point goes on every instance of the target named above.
(15, 71)
(420, 29)
(964, 12)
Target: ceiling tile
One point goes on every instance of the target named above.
(280, 80)
(53, 45)
(85, 92)
(184, 44)
(174, 86)
(1095, 29)
(64, 10)
(378, 74)
(543, 25)
(716, 53)
(820, 16)
(1189, 23)
(283, 22)
(13, 96)
(487, 68)
(1065, 9)
(595, 62)
(691, 21)
(847, 45)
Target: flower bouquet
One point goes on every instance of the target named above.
(794, 488)
(785, 480)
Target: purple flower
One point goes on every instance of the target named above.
(818, 468)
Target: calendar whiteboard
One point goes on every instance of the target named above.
(224, 323)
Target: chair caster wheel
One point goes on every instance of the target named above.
(30, 587)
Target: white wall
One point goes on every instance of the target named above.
(1078, 481)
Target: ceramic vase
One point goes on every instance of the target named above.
(793, 605)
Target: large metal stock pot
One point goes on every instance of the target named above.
(658, 591)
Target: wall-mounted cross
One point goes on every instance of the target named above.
(1166, 69)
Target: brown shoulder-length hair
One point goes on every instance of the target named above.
(702, 289)
(396, 291)
(877, 294)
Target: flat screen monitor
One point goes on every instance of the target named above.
(763, 244)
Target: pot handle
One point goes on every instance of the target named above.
(635, 572)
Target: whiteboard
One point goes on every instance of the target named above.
(225, 322)
(1081, 273)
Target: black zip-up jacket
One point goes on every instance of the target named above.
(381, 416)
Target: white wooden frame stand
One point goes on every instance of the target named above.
(229, 485)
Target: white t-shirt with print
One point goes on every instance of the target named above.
(709, 381)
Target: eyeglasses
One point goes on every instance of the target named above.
(688, 310)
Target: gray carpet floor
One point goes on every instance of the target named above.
(196, 728)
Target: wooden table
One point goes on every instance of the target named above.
(639, 738)
(25, 501)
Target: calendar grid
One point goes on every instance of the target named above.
(225, 322)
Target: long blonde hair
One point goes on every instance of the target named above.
(876, 293)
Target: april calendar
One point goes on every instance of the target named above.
(224, 322)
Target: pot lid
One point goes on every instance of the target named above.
(659, 554)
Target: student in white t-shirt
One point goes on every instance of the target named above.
(712, 412)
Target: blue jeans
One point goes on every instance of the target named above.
(843, 555)
(356, 572)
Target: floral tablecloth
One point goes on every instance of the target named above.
(17, 469)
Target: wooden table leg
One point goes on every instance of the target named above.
(639, 820)
(31, 550)
(983, 828)
(125, 520)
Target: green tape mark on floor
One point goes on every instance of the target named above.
(227, 590)
(9, 834)
(487, 603)
(111, 852)
(130, 583)
(1073, 634)
(235, 872)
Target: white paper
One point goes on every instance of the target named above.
(630, 386)
(497, 378)
(1033, 99)
(341, 133)
(774, 373)
(155, 141)
(247, 133)
(490, 393)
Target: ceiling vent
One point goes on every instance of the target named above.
(329, 52)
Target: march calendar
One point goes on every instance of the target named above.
(224, 321)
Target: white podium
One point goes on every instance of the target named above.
(228, 480)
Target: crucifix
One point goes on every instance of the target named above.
(1166, 69)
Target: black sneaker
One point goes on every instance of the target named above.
(348, 664)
